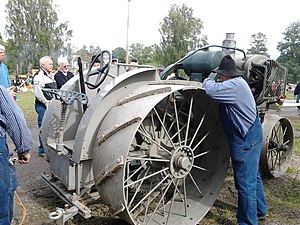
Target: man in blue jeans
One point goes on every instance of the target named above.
(241, 124)
(297, 94)
(43, 79)
(12, 122)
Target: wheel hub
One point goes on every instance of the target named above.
(181, 161)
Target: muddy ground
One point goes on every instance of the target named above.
(39, 199)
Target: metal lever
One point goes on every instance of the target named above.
(67, 97)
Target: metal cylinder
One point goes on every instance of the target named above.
(202, 62)
(229, 42)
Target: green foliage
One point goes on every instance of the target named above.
(86, 54)
(33, 31)
(258, 44)
(144, 54)
(290, 51)
(180, 33)
(120, 53)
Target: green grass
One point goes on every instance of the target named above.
(26, 103)
(296, 149)
(289, 96)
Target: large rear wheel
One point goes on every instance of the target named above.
(175, 163)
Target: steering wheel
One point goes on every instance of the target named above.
(101, 72)
(256, 83)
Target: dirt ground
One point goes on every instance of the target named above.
(39, 199)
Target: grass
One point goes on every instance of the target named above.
(26, 103)
(289, 96)
(296, 146)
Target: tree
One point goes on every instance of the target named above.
(33, 31)
(143, 54)
(289, 50)
(258, 44)
(120, 53)
(180, 33)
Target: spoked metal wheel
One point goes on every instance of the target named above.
(277, 146)
(174, 157)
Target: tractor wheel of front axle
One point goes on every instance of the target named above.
(277, 146)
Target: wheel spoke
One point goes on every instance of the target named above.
(160, 200)
(146, 196)
(146, 177)
(202, 154)
(135, 172)
(155, 142)
(197, 130)
(189, 120)
(200, 168)
(172, 201)
(147, 159)
(194, 182)
(204, 137)
(176, 117)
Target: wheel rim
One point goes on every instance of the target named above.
(173, 171)
(277, 147)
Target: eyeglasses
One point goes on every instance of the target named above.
(66, 66)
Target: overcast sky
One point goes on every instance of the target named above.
(103, 23)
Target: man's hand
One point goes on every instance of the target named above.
(12, 91)
(214, 76)
(24, 159)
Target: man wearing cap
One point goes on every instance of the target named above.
(96, 61)
(63, 74)
(241, 124)
(114, 59)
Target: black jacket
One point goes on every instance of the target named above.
(297, 90)
(61, 79)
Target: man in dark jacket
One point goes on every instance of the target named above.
(63, 74)
(297, 94)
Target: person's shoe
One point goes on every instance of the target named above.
(262, 218)
(42, 154)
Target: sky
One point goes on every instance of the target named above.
(104, 22)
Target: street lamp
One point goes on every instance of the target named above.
(127, 33)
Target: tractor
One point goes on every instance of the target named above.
(151, 145)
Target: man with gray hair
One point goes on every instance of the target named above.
(43, 79)
(63, 74)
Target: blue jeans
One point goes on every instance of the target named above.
(245, 161)
(40, 108)
(297, 100)
(8, 185)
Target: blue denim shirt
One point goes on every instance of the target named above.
(237, 101)
(4, 77)
(12, 121)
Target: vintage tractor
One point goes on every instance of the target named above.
(152, 145)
